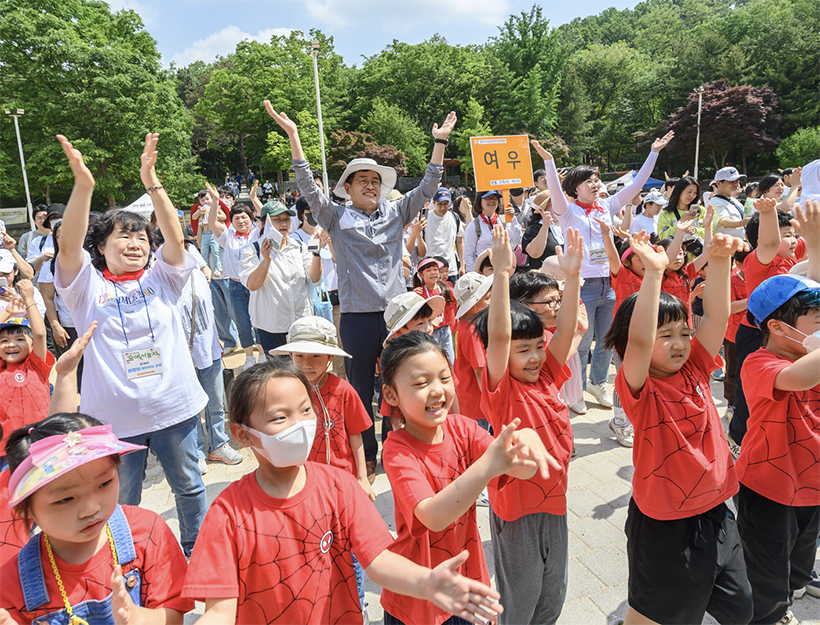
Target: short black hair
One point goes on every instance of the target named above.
(526, 324)
(425, 312)
(576, 176)
(15, 329)
(100, 229)
(788, 171)
(40, 208)
(238, 209)
(670, 309)
(767, 182)
(538, 173)
(352, 175)
(799, 305)
(247, 390)
(399, 349)
(485, 263)
(753, 226)
(525, 285)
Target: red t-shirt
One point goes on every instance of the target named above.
(195, 222)
(13, 535)
(417, 471)
(288, 560)
(345, 416)
(738, 285)
(24, 393)
(780, 457)
(682, 462)
(448, 316)
(470, 355)
(756, 272)
(679, 285)
(625, 283)
(539, 407)
(159, 559)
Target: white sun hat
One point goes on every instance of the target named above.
(312, 335)
(402, 308)
(469, 290)
(387, 174)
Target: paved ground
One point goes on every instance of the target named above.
(599, 489)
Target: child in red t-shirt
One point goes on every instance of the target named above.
(779, 465)
(93, 558)
(776, 249)
(13, 534)
(680, 273)
(25, 363)
(436, 518)
(472, 293)
(528, 520)
(427, 283)
(682, 540)
(275, 546)
(738, 310)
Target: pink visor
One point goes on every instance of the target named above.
(626, 254)
(55, 456)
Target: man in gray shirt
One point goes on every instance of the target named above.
(367, 238)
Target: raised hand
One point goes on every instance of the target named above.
(686, 224)
(69, 361)
(807, 222)
(285, 122)
(659, 144)
(501, 252)
(531, 451)
(324, 239)
(461, 596)
(583, 319)
(82, 175)
(651, 258)
(541, 151)
(571, 257)
(605, 227)
(446, 128)
(213, 193)
(148, 160)
(723, 245)
(620, 232)
(8, 242)
(765, 205)
(26, 290)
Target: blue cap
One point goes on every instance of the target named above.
(15, 322)
(492, 193)
(776, 291)
(442, 195)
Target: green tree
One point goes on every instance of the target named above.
(800, 148)
(79, 70)
(390, 125)
(277, 155)
(473, 125)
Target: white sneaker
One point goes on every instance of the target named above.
(788, 619)
(203, 466)
(798, 594)
(624, 433)
(483, 499)
(600, 394)
(250, 361)
(225, 454)
(579, 407)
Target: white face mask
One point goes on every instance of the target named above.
(810, 341)
(290, 447)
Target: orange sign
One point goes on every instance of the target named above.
(501, 162)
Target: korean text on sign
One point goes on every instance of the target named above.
(501, 162)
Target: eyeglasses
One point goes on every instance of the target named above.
(552, 304)
(364, 183)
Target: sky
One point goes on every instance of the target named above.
(201, 30)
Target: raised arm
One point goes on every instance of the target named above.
(75, 218)
(499, 323)
(559, 200)
(36, 323)
(560, 344)
(64, 396)
(768, 238)
(717, 293)
(786, 204)
(677, 241)
(25, 269)
(634, 187)
(218, 227)
(802, 375)
(807, 221)
(173, 250)
(643, 326)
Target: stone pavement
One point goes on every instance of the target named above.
(599, 490)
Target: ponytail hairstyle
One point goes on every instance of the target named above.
(248, 389)
(19, 442)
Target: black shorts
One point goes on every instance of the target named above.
(679, 570)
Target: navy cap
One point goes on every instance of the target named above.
(776, 291)
(492, 193)
(442, 195)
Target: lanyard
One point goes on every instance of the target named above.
(119, 310)
(427, 293)
(326, 423)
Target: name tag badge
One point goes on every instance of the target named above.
(141, 363)
(597, 255)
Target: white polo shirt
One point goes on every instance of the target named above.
(232, 245)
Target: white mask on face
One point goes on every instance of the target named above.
(290, 447)
(810, 341)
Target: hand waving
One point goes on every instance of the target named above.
(652, 259)
(501, 253)
(461, 596)
(541, 151)
(659, 144)
(570, 261)
(446, 128)
(148, 160)
(285, 122)
(82, 175)
(723, 245)
(70, 359)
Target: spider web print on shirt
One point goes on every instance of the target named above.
(24, 393)
(347, 416)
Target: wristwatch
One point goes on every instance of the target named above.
(442, 141)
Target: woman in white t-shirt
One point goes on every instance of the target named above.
(138, 373)
(478, 234)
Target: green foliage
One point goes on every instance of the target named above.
(800, 148)
(473, 125)
(277, 155)
(390, 125)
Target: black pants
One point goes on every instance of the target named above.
(362, 335)
(779, 544)
(747, 341)
(270, 340)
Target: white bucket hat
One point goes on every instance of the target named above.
(402, 308)
(387, 174)
(312, 335)
(480, 259)
(469, 290)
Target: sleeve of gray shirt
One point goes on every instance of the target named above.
(410, 205)
(324, 211)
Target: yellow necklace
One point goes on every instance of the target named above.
(75, 620)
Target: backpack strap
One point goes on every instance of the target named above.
(257, 248)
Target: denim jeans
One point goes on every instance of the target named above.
(175, 448)
(599, 299)
(210, 251)
(270, 340)
(241, 297)
(213, 385)
(223, 313)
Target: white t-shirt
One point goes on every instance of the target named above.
(63, 313)
(283, 297)
(148, 403)
(39, 246)
(474, 245)
(232, 246)
(440, 236)
(727, 209)
(644, 222)
(206, 347)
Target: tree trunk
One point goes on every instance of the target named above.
(279, 179)
(743, 160)
(243, 157)
(112, 202)
(48, 194)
